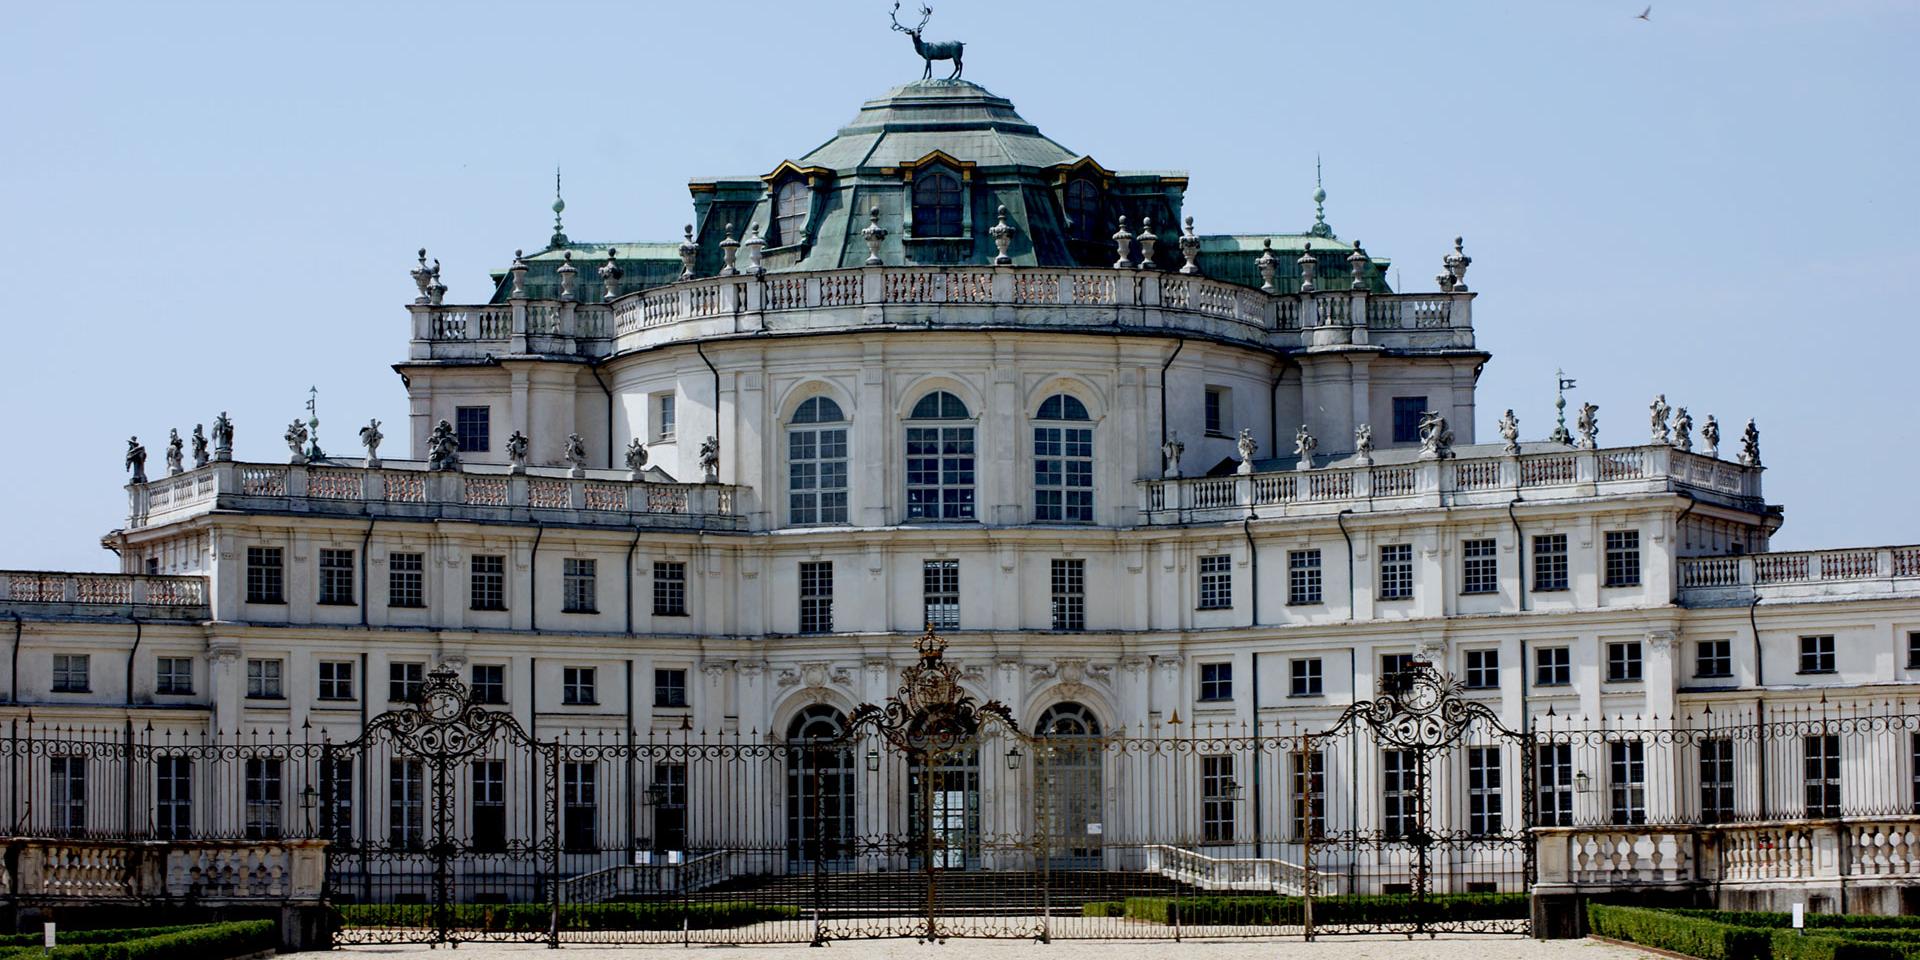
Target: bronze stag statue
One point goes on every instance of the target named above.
(941, 50)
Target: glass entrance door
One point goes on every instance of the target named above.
(946, 805)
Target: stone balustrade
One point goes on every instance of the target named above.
(405, 489)
(1722, 581)
(956, 296)
(1477, 475)
(1196, 869)
(209, 872)
(1763, 854)
(105, 594)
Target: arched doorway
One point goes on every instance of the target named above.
(819, 788)
(1068, 792)
(943, 798)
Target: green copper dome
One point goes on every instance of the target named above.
(960, 119)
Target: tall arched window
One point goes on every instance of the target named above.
(936, 206)
(817, 464)
(790, 208)
(819, 786)
(1070, 759)
(1083, 211)
(940, 459)
(1063, 461)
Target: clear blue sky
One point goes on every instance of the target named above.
(213, 206)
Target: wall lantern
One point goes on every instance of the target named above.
(1582, 783)
(873, 760)
(1014, 756)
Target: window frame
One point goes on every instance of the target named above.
(1395, 580)
(1819, 655)
(492, 690)
(1407, 412)
(1218, 807)
(1067, 593)
(789, 223)
(579, 585)
(579, 686)
(269, 681)
(940, 592)
(1217, 411)
(948, 203)
(406, 679)
(1480, 566)
(1216, 582)
(487, 588)
(1083, 210)
(1626, 661)
(407, 580)
(166, 677)
(1714, 651)
(473, 428)
(1621, 566)
(1551, 571)
(1216, 682)
(328, 680)
(1063, 461)
(819, 486)
(1306, 586)
(1482, 669)
(940, 451)
(670, 688)
(1306, 677)
(335, 573)
(669, 588)
(815, 595)
(1560, 665)
(72, 673)
(266, 575)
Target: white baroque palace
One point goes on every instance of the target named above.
(942, 371)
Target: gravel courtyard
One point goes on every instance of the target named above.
(1331, 948)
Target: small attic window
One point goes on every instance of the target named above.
(1083, 211)
(936, 206)
(791, 205)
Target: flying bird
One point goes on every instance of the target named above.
(1646, 14)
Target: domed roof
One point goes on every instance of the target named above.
(961, 119)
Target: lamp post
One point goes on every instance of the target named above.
(309, 799)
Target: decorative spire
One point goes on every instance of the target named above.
(1562, 383)
(1319, 228)
(313, 423)
(559, 238)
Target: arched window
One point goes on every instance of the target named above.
(817, 464)
(940, 459)
(1083, 211)
(1070, 759)
(819, 786)
(790, 208)
(1067, 719)
(936, 206)
(1063, 461)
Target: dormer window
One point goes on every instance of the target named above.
(1083, 211)
(790, 207)
(936, 206)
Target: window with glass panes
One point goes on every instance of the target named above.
(579, 685)
(670, 687)
(266, 575)
(405, 681)
(1219, 411)
(580, 585)
(472, 428)
(334, 680)
(1309, 793)
(791, 206)
(1622, 561)
(71, 672)
(940, 593)
(670, 814)
(406, 804)
(1554, 772)
(816, 596)
(1821, 753)
(1484, 804)
(817, 463)
(1399, 792)
(1083, 212)
(406, 580)
(264, 679)
(1063, 461)
(1393, 666)
(489, 683)
(665, 416)
(1068, 579)
(67, 794)
(336, 800)
(1303, 577)
(1406, 418)
(489, 799)
(1479, 566)
(936, 206)
(1396, 572)
(1914, 758)
(1713, 658)
(1216, 681)
(1716, 780)
(1550, 562)
(173, 675)
(1306, 677)
(173, 797)
(336, 577)
(1552, 666)
(1623, 662)
(1218, 790)
(489, 582)
(939, 459)
(1816, 654)
(261, 776)
(1216, 582)
(1913, 649)
(669, 588)
(579, 804)
(1627, 782)
(1483, 669)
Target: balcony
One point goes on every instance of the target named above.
(104, 595)
(1799, 575)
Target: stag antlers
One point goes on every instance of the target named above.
(926, 14)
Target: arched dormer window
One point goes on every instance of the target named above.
(936, 206)
(790, 207)
(1083, 211)
(1063, 461)
(817, 463)
(940, 459)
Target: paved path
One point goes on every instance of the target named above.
(1331, 948)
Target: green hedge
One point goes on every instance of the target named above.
(573, 916)
(1103, 908)
(1291, 911)
(215, 941)
(1707, 934)
(1751, 918)
(91, 936)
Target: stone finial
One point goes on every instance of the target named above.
(1456, 264)
(1246, 447)
(1657, 413)
(1587, 425)
(443, 448)
(1303, 446)
(755, 243)
(519, 272)
(1190, 250)
(1123, 242)
(1363, 443)
(1308, 264)
(1002, 238)
(137, 460)
(689, 251)
(636, 460)
(370, 437)
(729, 253)
(422, 276)
(516, 452)
(1750, 445)
(1269, 266)
(1147, 240)
(874, 234)
(1510, 432)
(1436, 438)
(1682, 430)
(199, 446)
(576, 454)
(610, 274)
(710, 459)
(222, 438)
(1710, 436)
(1357, 266)
(1170, 453)
(176, 458)
(567, 274)
(296, 437)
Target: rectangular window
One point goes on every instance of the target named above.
(1555, 773)
(406, 804)
(263, 680)
(1479, 567)
(1406, 418)
(578, 686)
(263, 798)
(1399, 792)
(1396, 572)
(405, 681)
(1913, 649)
(1218, 795)
(1816, 654)
(1483, 669)
(817, 474)
(173, 797)
(1713, 658)
(335, 680)
(1484, 804)
(1550, 562)
(266, 575)
(1303, 577)
(1063, 474)
(406, 580)
(489, 590)
(71, 672)
(1623, 662)
(67, 791)
(1069, 582)
(489, 806)
(669, 588)
(664, 417)
(670, 688)
(816, 596)
(1623, 558)
(580, 591)
(1914, 743)
(1627, 782)
(489, 684)
(1216, 583)
(1716, 780)
(173, 675)
(1822, 754)
(1306, 677)
(1395, 670)
(1552, 666)
(580, 805)
(336, 799)
(1219, 411)
(1309, 793)
(336, 577)
(472, 428)
(1216, 682)
(940, 473)
(940, 593)
(670, 814)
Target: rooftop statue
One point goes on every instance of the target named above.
(137, 459)
(1247, 447)
(222, 437)
(1750, 445)
(1303, 447)
(1682, 430)
(199, 446)
(1436, 438)
(710, 459)
(296, 438)
(1657, 416)
(1710, 435)
(576, 455)
(517, 453)
(1587, 425)
(370, 436)
(1170, 453)
(1363, 443)
(443, 448)
(1510, 431)
(175, 459)
(929, 52)
(636, 459)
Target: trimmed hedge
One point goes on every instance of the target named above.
(1703, 934)
(520, 917)
(1103, 908)
(1358, 908)
(1752, 918)
(92, 936)
(215, 941)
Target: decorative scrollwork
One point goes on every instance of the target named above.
(932, 712)
(443, 723)
(1420, 709)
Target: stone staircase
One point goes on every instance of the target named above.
(1060, 893)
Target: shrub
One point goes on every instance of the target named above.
(523, 917)
(1291, 911)
(215, 941)
(1734, 935)
(90, 936)
(1103, 908)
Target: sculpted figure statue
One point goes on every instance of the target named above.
(443, 448)
(710, 459)
(1247, 447)
(199, 446)
(1303, 447)
(222, 437)
(1363, 442)
(1588, 426)
(636, 459)
(576, 456)
(1170, 453)
(1682, 429)
(370, 437)
(930, 50)
(1657, 416)
(1510, 431)
(1436, 438)
(175, 450)
(137, 459)
(517, 453)
(1750, 445)
(1710, 435)
(297, 441)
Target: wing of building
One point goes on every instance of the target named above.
(1186, 511)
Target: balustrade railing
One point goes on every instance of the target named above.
(1265, 874)
(165, 595)
(203, 871)
(1803, 571)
